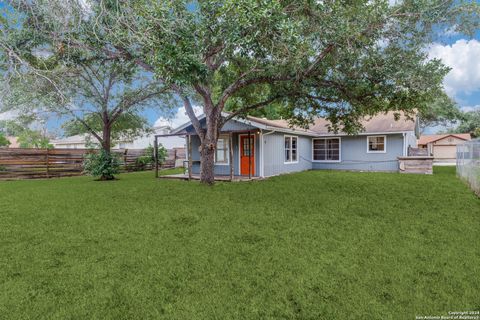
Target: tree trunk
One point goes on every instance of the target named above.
(208, 147)
(106, 147)
(207, 163)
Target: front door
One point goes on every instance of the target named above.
(247, 155)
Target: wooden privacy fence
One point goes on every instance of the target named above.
(49, 163)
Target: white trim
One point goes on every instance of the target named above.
(339, 149)
(384, 143)
(224, 137)
(240, 153)
(290, 136)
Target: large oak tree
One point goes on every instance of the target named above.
(343, 60)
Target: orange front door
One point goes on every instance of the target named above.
(247, 152)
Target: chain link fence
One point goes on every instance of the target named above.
(468, 163)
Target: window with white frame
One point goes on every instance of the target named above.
(376, 144)
(291, 147)
(222, 151)
(327, 149)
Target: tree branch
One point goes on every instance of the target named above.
(241, 82)
(252, 107)
(190, 112)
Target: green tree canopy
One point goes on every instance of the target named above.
(470, 123)
(33, 139)
(441, 111)
(128, 125)
(3, 140)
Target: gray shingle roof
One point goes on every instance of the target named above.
(379, 123)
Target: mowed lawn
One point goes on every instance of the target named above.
(312, 245)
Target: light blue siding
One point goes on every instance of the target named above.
(225, 169)
(274, 154)
(354, 155)
(231, 125)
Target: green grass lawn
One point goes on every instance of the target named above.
(312, 245)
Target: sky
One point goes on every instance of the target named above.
(456, 51)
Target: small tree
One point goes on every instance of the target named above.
(128, 126)
(104, 165)
(441, 111)
(470, 123)
(101, 98)
(149, 156)
(33, 139)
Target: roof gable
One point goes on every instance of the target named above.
(426, 139)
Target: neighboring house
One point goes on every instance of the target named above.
(275, 148)
(80, 141)
(73, 142)
(443, 147)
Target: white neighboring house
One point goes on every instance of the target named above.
(79, 141)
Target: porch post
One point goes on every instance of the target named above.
(230, 150)
(189, 157)
(155, 150)
(249, 156)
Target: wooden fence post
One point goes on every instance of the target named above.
(47, 160)
(125, 159)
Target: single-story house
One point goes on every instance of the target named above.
(443, 147)
(263, 148)
(80, 141)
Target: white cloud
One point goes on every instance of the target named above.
(462, 57)
(470, 108)
(179, 118)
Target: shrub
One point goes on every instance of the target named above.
(149, 157)
(102, 164)
(4, 141)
